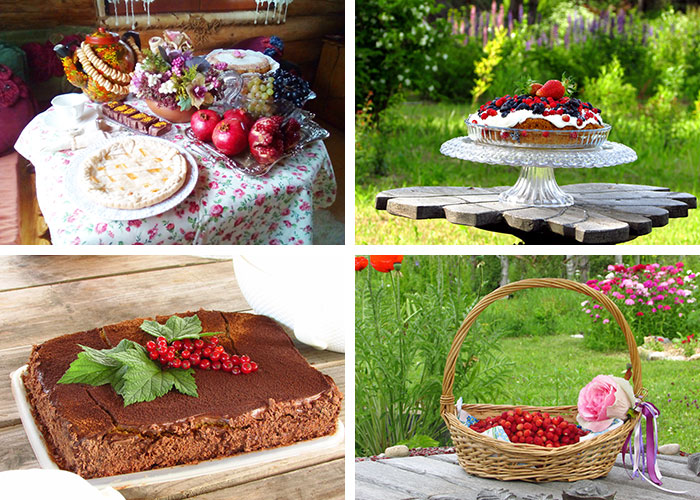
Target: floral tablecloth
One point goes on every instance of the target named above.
(226, 207)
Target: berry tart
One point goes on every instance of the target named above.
(544, 116)
(151, 393)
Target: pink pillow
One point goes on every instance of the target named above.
(16, 106)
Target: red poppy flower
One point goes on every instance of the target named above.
(386, 263)
(360, 263)
(640, 313)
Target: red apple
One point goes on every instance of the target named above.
(230, 136)
(203, 123)
(242, 115)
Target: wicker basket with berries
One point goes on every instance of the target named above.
(545, 442)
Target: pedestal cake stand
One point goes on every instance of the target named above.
(536, 185)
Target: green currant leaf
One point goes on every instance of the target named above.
(207, 334)
(138, 388)
(86, 371)
(154, 328)
(102, 357)
(182, 328)
(184, 382)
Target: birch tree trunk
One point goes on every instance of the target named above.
(505, 264)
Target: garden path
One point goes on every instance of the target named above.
(440, 477)
(602, 213)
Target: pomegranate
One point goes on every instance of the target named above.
(230, 136)
(242, 115)
(266, 140)
(203, 123)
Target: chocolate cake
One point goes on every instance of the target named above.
(135, 119)
(89, 431)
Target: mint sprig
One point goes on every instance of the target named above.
(177, 328)
(129, 370)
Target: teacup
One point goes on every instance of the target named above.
(69, 107)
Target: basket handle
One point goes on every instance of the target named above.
(447, 400)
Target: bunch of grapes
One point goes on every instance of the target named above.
(260, 93)
(290, 87)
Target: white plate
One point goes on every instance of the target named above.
(274, 65)
(177, 473)
(52, 120)
(98, 211)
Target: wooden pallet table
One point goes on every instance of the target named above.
(601, 214)
(45, 296)
(440, 477)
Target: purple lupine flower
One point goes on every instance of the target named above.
(485, 36)
(584, 38)
(494, 8)
(566, 37)
(569, 21)
(528, 45)
(472, 21)
(510, 21)
(555, 33)
(644, 34)
(455, 27)
(487, 20)
(594, 26)
(499, 23)
(520, 13)
(621, 22)
(462, 27)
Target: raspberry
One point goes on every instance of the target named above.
(579, 122)
(545, 134)
(573, 135)
(566, 118)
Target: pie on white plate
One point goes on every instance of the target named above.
(133, 172)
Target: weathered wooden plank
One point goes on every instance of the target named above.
(421, 208)
(531, 219)
(39, 15)
(33, 315)
(420, 471)
(638, 224)
(658, 216)
(609, 187)
(480, 198)
(322, 481)
(424, 192)
(366, 491)
(21, 271)
(670, 466)
(16, 452)
(675, 208)
(472, 215)
(601, 230)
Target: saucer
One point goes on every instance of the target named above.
(51, 119)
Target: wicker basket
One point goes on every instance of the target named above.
(487, 457)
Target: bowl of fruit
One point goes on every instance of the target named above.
(263, 125)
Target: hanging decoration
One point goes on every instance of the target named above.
(277, 7)
(129, 5)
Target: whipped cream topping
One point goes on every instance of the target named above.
(565, 112)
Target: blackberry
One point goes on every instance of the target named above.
(291, 88)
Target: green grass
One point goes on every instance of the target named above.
(407, 154)
(552, 370)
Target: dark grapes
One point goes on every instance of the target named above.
(290, 87)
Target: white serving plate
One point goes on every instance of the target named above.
(177, 473)
(101, 212)
(274, 65)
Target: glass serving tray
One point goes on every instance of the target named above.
(245, 163)
(536, 138)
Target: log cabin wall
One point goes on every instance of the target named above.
(32, 14)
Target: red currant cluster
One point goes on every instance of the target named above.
(198, 353)
(533, 428)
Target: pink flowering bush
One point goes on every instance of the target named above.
(656, 300)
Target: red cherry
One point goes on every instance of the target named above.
(205, 364)
(185, 364)
(151, 346)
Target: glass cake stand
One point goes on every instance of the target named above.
(536, 186)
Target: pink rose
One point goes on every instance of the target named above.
(602, 399)
(101, 228)
(216, 210)
(189, 236)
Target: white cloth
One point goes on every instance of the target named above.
(41, 484)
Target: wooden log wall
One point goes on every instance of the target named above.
(33, 14)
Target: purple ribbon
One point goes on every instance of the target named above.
(636, 447)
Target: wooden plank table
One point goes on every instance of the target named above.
(45, 296)
(601, 214)
(441, 477)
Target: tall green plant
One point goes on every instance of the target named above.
(401, 344)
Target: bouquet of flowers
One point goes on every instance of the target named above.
(177, 79)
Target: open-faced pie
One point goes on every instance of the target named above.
(133, 172)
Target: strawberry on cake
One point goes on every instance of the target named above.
(544, 115)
